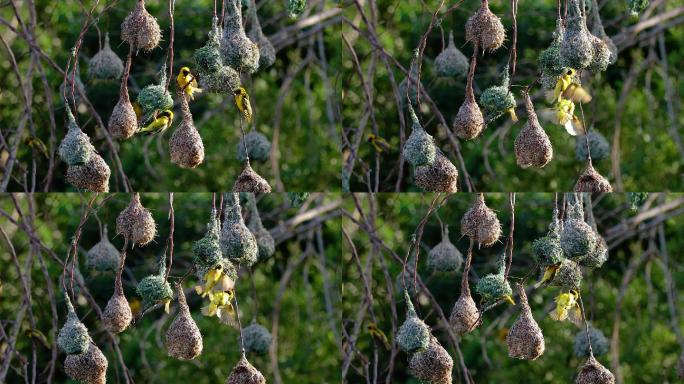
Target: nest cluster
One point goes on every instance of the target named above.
(256, 338)
(185, 146)
(135, 223)
(568, 275)
(103, 256)
(440, 176)
(140, 29)
(445, 257)
(532, 145)
(183, 338)
(480, 223)
(599, 343)
(432, 365)
(214, 76)
(451, 62)
(419, 148)
(105, 64)
(413, 335)
(579, 49)
(237, 242)
(258, 147)
(525, 339)
(592, 372)
(578, 239)
(245, 373)
(485, 29)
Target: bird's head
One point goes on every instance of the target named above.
(570, 72)
(185, 71)
(168, 114)
(240, 92)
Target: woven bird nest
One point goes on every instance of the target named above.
(245, 373)
(592, 372)
(154, 289)
(73, 337)
(440, 176)
(183, 338)
(601, 55)
(525, 339)
(258, 147)
(469, 122)
(577, 50)
(105, 64)
(123, 123)
(117, 315)
(267, 54)
(237, 50)
(577, 237)
(75, 148)
(263, 237)
(591, 181)
(599, 343)
(250, 181)
(237, 242)
(213, 75)
(550, 60)
(445, 257)
(499, 99)
(89, 367)
(480, 223)
(432, 365)
(103, 256)
(495, 286)
(419, 148)
(140, 29)
(548, 250)
(93, 176)
(598, 145)
(155, 97)
(185, 146)
(568, 276)
(532, 145)
(484, 29)
(135, 223)
(207, 250)
(464, 315)
(256, 338)
(451, 62)
(413, 335)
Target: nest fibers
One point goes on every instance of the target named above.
(445, 257)
(598, 146)
(185, 146)
(250, 181)
(183, 338)
(469, 122)
(592, 372)
(245, 373)
(92, 176)
(599, 343)
(135, 223)
(256, 338)
(525, 339)
(258, 147)
(494, 286)
(155, 97)
(485, 29)
(263, 237)
(451, 62)
(207, 250)
(419, 148)
(154, 289)
(499, 99)
(593, 182)
(432, 365)
(89, 367)
(103, 256)
(547, 250)
(140, 29)
(532, 145)
(413, 335)
(214, 76)
(73, 337)
(440, 176)
(550, 61)
(75, 148)
(267, 54)
(577, 237)
(117, 315)
(237, 50)
(105, 64)
(480, 223)
(237, 242)
(123, 123)
(568, 275)
(576, 50)
(598, 255)
(601, 55)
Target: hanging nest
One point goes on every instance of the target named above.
(183, 338)
(532, 145)
(295, 8)
(154, 289)
(89, 367)
(499, 99)
(155, 97)
(237, 242)
(484, 29)
(207, 250)
(245, 373)
(186, 147)
(599, 343)
(494, 286)
(577, 237)
(103, 256)
(135, 223)
(568, 276)
(591, 181)
(73, 337)
(140, 29)
(550, 60)
(440, 176)
(547, 250)
(263, 237)
(419, 148)
(256, 339)
(464, 315)
(267, 54)
(250, 181)
(213, 75)
(601, 55)
(577, 50)
(525, 339)
(75, 148)
(117, 315)
(105, 64)
(93, 176)
(258, 147)
(237, 50)
(480, 223)
(598, 146)
(413, 335)
(451, 62)
(469, 122)
(598, 255)
(445, 257)
(123, 123)
(432, 365)
(601, 33)
(592, 372)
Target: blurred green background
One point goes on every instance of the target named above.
(649, 156)
(648, 349)
(304, 261)
(308, 154)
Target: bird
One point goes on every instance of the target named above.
(160, 124)
(567, 88)
(137, 108)
(378, 334)
(565, 116)
(220, 306)
(37, 144)
(567, 307)
(549, 273)
(381, 145)
(242, 103)
(187, 82)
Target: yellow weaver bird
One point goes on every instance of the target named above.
(188, 83)
(215, 279)
(381, 145)
(137, 108)
(565, 116)
(220, 306)
(242, 103)
(549, 273)
(378, 334)
(37, 144)
(160, 124)
(567, 88)
(567, 307)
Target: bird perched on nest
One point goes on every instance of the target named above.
(242, 103)
(188, 83)
(160, 123)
